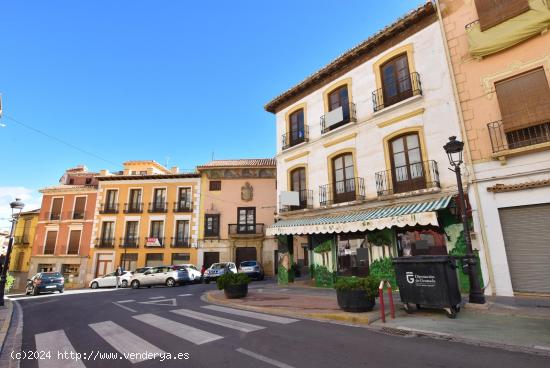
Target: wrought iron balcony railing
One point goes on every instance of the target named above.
(246, 229)
(306, 201)
(408, 178)
(108, 208)
(23, 240)
(183, 206)
(332, 120)
(502, 140)
(352, 189)
(180, 242)
(295, 137)
(396, 91)
(79, 215)
(129, 242)
(133, 207)
(106, 242)
(158, 207)
(53, 216)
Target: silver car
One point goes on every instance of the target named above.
(162, 275)
(218, 269)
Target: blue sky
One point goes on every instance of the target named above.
(136, 79)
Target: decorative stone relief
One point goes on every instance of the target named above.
(247, 192)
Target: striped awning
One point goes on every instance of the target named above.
(420, 213)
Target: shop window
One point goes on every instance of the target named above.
(42, 267)
(421, 241)
(154, 259)
(128, 261)
(353, 255)
(70, 271)
(179, 258)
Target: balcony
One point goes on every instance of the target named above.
(79, 215)
(53, 216)
(502, 140)
(17, 240)
(105, 242)
(295, 137)
(338, 117)
(246, 230)
(178, 242)
(158, 207)
(183, 207)
(129, 242)
(154, 242)
(133, 207)
(108, 208)
(306, 202)
(408, 178)
(398, 91)
(352, 189)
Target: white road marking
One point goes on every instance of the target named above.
(170, 302)
(125, 342)
(180, 330)
(56, 294)
(263, 358)
(124, 307)
(283, 289)
(56, 341)
(225, 322)
(185, 295)
(244, 313)
(542, 347)
(125, 301)
(157, 297)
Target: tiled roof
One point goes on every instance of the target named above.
(351, 54)
(497, 188)
(252, 162)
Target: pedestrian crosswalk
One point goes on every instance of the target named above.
(129, 344)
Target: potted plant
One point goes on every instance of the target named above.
(234, 285)
(356, 294)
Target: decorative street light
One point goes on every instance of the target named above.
(16, 205)
(454, 149)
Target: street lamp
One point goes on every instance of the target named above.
(16, 205)
(454, 149)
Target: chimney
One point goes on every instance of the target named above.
(174, 170)
(104, 172)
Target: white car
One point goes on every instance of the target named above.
(109, 280)
(194, 274)
(162, 275)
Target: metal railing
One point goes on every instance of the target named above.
(158, 207)
(420, 175)
(108, 208)
(349, 115)
(178, 242)
(133, 207)
(129, 242)
(399, 90)
(306, 201)
(352, 189)
(502, 140)
(183, 207)
(79, 215)
(53, 216)
(105, 242)
(246, 229)
(160, 240)
(21, 240)
(295, 137)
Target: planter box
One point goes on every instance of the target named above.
(355, 301)
(235, 291)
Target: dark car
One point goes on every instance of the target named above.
(45, 281)
(252, 269)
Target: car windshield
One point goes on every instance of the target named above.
(48, 275)
(248, 264)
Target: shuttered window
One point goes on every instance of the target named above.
(74, 242)
(79, 207)
(51, 237)
(524, 100)
(493, 12)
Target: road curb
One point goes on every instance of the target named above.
(6, 325)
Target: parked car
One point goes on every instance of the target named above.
(194, 274)
(252, 269)
(218, 269)
(45, 281)
(162, 275)
(109, 280)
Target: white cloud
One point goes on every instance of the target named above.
(30, 197)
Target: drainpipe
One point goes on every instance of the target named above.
(468, 156)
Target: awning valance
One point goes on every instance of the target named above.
(421, 213)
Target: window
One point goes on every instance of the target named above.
(184, 199)
(246, 218)
(134, 204)
(159, 198)
(26, 231)
(107, 233)
(182, 233)
(157, 230)
(396, 80)
(415, 241)
(79, 208)
(211, 225)
(131, 234)
(45, 267)
(407, 166)
(297, 128)
(71, 181)
(178, 258)
(49, 246)
(88, 181)
(74, 242)
(353, 254)
(110, 200)
(343, 178)
(128, 261)
(154, 259)
(298, 184)
(337, 100)
(18, 261)
(493, 12)
(215, 185)
(57, 204)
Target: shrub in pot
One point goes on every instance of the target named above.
(234, 285)
(356, 294)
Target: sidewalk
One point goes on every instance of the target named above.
(519, 324)
(6, 313)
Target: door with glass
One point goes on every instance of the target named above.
(343, 178)
(407, 166)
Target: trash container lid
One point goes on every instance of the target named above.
(423, 259)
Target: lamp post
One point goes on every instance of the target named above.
(454, 149)
(16, 205)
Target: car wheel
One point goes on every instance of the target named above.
(124, 284)
(135, 284)
(35, 291)
(170, 282)
(94, 285)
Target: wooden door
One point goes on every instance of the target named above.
(408, 172)
(343, 178)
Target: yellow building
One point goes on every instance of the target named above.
(146, 215)
(22, 247)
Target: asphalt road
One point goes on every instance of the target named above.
(103, 326)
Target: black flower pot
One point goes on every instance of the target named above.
(355, 301)
(236, 291)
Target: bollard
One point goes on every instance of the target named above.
(381, 297)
